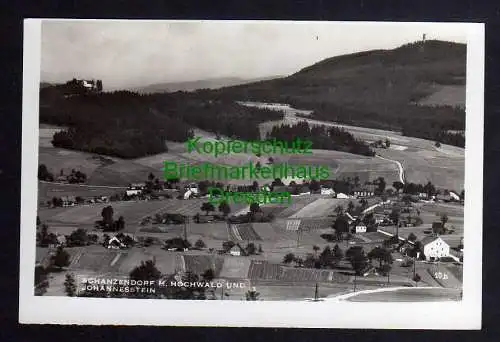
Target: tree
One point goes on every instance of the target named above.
(224, 208)
(255, 186)
(356, 181)
(99, 85)
(314, 185)
(276, 182)
(208, 275)
(200, 244)
(254, 208)
(288, 258)
(338, 254)
(41, 281)
(78, 237)
(60, 259)
(107, 216)
(341, 226)
(311, 261)
(316, 249)
(260, 250)
(250, 249)
(44, 174)
(146, 271)
(438, 144)
(120, 223)
(398, 185)
(382, 255)
(444, 219)
(462, 195)
(394, 216)
(357, 258)
(412, 237)
(252, 295)
(43, 236)
(380, 185)
(326, 257)
(387, 143)
(339, 210)
(350, 207)
(207, 207)
(70, 285)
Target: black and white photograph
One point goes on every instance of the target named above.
(252, 173)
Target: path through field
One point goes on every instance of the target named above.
(400, 167)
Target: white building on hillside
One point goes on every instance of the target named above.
(360, 228)
(327, 191)
(434, 247)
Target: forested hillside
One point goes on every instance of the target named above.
(130, 125)
(379, 89)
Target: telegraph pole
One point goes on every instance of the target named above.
(316, 293)
(299, 232)
(354, 290)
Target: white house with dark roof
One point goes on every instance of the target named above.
(236, 250)
(434, 247)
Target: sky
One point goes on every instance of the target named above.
(129, 54)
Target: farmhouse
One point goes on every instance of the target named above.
(360, 228)
(137, 186)
(342, 196)
(115, 243)
(236, 250)
(454, 196)
(435, 247)
(367, 190)
(134, 192)
(68, 201)
(327, 191)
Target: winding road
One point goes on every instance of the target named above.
(400, 167)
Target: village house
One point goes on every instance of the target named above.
(434, 248)
(366, 190)
(133, 192)
(360, 228)
(236, 250)
(137, 186)
(342, 195)
(115, 243)
(454, 196)
(68, 201)
(327, 191)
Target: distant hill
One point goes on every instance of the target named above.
(378, 88)
(213, 83)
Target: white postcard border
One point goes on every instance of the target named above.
(443, 315)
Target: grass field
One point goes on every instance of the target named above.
(132, 212)
(321, 207)
(443, 169)
(408, 295)
(46, 191)
(449, 95)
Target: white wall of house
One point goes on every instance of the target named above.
(133, 192)
(235, 252)
(436, 249)
(360, 229)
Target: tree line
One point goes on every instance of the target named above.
(129, 125)
(331, 138)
